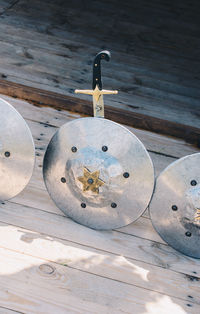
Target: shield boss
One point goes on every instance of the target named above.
(17, 152)
(175, 207)
(98, 173)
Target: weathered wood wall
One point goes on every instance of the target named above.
(155, 44)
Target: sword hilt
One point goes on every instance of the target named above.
(97, 92)
(102, 55)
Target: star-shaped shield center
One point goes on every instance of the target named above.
(197, 217)
(91, 181)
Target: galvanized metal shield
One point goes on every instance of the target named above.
(175, 207)
(98, 173)
(17, 152)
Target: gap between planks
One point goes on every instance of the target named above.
(132, 247)
(164, 56)
(50, 282)
(24, 197)
(49, 120)
(102, 264)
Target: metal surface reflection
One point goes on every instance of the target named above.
(17, 152)
(175, 206)
(121, 198)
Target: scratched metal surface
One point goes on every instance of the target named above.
(17, 152)
(125, 154)
(174, 207)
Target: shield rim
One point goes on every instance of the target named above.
(33, 148)
(141, 144)
(150, 206)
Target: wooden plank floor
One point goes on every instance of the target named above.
(155, 46)
(50, 264)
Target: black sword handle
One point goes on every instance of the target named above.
(102, 55)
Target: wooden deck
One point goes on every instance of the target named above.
(50, 264)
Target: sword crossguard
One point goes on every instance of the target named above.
(96, 93)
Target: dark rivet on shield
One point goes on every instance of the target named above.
(188, 234)
(74, 149)
(90, 181)
(83, 205)
(126, 175)
(104, 148)
(7, 154)
(193, 182)
(63, 180)
(174, 207)
(113, 205)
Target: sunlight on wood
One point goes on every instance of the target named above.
(11, 268)
(164, 305)
(140, 271)
(68, 255)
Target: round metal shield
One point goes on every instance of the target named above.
(175, 207)
(17, 152)
(98, 173)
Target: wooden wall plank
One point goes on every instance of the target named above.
(58, 101)
(46, 118)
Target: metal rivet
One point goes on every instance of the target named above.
(83, 205)
(188, 234)
(104, 148)
(174, 207)
(193, 182)
(113, 205)
(126, 175)
(7, 154)
(90, 181)
(96, 79)
(95, 64)
(63, 180)
(74, 149)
